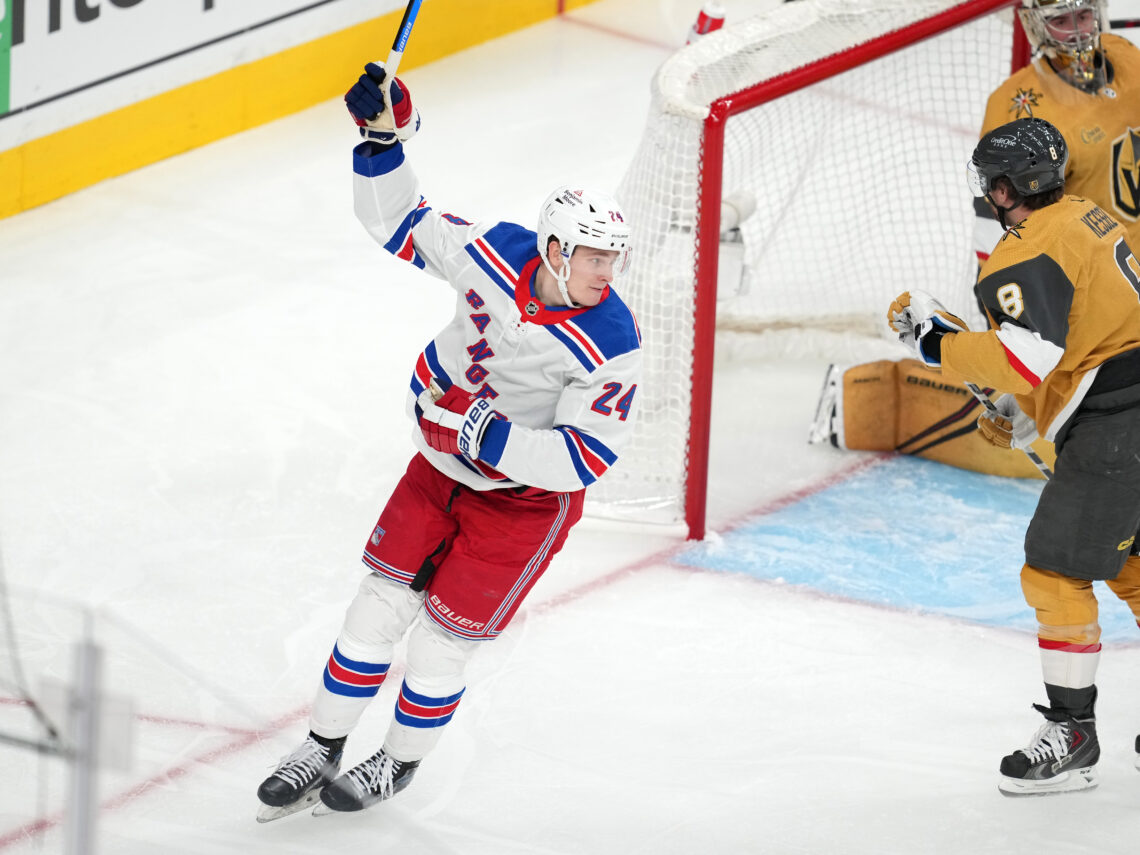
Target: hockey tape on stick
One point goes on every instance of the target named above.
(1029, 452)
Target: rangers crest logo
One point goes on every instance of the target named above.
(377, 534)
(531, 308)
(1023, 102)
(1126, 174)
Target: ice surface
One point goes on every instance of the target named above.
(202, 375)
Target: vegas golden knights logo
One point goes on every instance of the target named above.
(1023, 102)
(1126, 173)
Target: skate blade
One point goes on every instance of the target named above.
(1070, 782)
(820, 429)
(324, 810)
(268, 813)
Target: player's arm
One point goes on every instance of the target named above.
(386, 194)
(387, 202)
(592, 424)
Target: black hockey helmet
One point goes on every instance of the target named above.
(1031, 153)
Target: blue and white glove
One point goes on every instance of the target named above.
(1006, 426)
(920, 322)
(365, 101)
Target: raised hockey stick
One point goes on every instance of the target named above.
(411, 12)
(1029, 452)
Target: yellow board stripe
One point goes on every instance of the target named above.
(244, 97)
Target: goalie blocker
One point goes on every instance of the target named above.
(905, 407)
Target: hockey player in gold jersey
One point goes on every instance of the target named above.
(1061, 295)
(1085, 83)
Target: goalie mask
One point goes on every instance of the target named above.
(581, 218)
(1031, 153)
(1068, 32)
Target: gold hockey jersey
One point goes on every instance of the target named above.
(1061, 293)
(1102, 129)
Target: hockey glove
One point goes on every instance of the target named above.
(365, 101)
(453, 421)
(920, 322)
(1006, 426)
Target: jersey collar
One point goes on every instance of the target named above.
(532, 309)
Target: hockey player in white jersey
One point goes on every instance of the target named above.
(523, 400)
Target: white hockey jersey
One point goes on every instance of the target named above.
(564, 379)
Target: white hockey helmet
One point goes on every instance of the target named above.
(1066, 41)
(581, 218)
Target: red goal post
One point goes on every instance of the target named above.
(810, 105)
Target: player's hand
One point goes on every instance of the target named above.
(365, 101)
(1008, 427)
(920, 322)
(453, 421)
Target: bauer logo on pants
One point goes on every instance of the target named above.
(453, 617)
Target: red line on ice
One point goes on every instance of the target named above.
(244, 739)
(665, 556)
(621, 34)
(42, 824)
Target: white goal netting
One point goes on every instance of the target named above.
(858, 182)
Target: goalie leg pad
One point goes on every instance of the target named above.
(904, 406)
(870, 406)
(857, 407)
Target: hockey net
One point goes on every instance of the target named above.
(849, 123)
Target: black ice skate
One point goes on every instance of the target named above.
(298, 780)
(1060, 758)
(1137, 761)
(378, 778)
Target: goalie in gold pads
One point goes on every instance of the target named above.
(1088, 86)
(1061, 295)
(903, 406)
